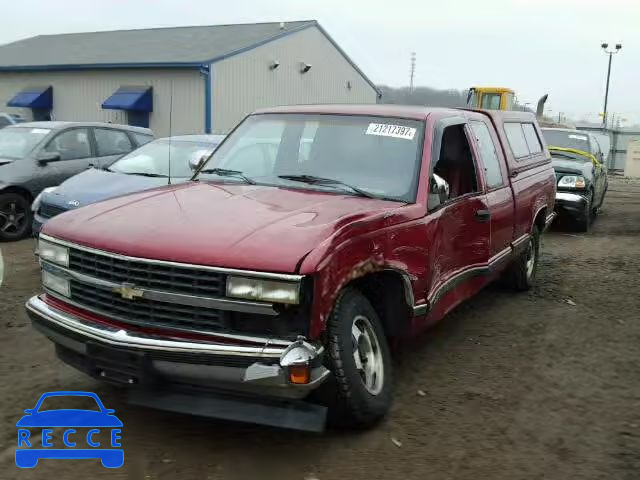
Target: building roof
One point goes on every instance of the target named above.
(151, 47)
(175, 45)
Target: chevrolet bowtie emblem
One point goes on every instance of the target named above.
(128, 291)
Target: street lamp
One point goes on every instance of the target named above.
(605, 47)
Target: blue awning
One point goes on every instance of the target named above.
(33, 97)
(138, 99)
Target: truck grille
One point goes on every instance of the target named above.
(143, 312)
(189, 280)
(47, 210)
(168, 278)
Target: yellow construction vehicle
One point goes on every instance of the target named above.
(491, 98)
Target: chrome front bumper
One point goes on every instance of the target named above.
(259, 367)
(570, 197)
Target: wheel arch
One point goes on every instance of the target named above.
(18, 190)
(390, 293)
(540, 218)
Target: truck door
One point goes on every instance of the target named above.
(459, 215)
(499, 193)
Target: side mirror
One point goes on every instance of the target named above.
(439, 191)
(194, 163)
(47, 157)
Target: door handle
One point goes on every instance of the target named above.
(483, 215)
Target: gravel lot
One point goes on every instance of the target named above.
(509, 386)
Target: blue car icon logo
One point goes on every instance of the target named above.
(31, 447)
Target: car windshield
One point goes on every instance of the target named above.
(356, 155)
(18, 142)
(153, 158)
(566, 139)
(65, 402)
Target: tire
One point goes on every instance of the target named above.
(521, 274)
(15, 217)
(360, 397)
(583, 222)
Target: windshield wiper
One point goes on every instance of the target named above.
(313, 180)
(223, 172)
(144, 174)
(567, 155)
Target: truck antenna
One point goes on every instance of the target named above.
(170, 131)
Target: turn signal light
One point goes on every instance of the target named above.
(299, 374)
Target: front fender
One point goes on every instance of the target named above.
(400, 249)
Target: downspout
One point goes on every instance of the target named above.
(205, 70)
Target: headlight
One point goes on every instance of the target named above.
(572, 181)
(56, 283)
(264, 290)
(36, 203)
(53, 252)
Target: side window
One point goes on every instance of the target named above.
(455, 165)
(142, 139)
(112, 142)
(517, 142)
(595, 147)
(71, 144)
(489, 154)
(531, 136)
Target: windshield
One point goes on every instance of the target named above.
(153, 158)
(62, 402)
(377, 155)
(566, 139)
(18, 142)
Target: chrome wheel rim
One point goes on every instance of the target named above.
(12, 218)
(531, 258)
(367, 354)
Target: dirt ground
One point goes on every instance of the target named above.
(538, 385)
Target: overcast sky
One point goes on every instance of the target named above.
(532, 46)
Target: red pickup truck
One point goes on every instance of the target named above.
(273, 283)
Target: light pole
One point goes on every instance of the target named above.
(611, 53)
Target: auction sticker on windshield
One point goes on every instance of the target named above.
(386, 130)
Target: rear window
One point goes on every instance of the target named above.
(523, 139)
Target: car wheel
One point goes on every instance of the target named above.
(521, 274)
(360, 360)
(15, 217)
(583, 222)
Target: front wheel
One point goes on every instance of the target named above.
(15, 217)
(360, 360)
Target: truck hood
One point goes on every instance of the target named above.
(570, 166)
(240, 226)
(94, 185)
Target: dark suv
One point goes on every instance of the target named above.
(37, 155)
